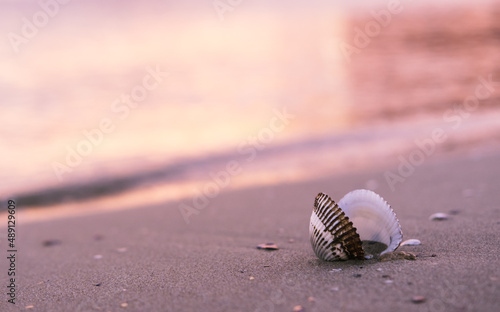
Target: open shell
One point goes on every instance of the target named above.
(361, 225)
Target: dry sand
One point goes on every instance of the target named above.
(152, 261)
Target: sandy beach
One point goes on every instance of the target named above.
(149, 259)
(288, 99)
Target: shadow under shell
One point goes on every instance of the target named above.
(373, 248)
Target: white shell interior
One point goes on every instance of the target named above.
(411, 242)
(373, 218)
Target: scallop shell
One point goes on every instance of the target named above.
(361, 224)
(333, 236)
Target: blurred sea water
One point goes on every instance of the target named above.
(221, 90)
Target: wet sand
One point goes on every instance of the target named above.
(153, 261)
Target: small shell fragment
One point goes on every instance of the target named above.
(298, 308)
(438, 216)
(418, 299)
(268, 246)
(411, 242)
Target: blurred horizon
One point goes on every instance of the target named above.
(213, 90)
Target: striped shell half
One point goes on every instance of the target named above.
(360, 225)
(333, 236)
